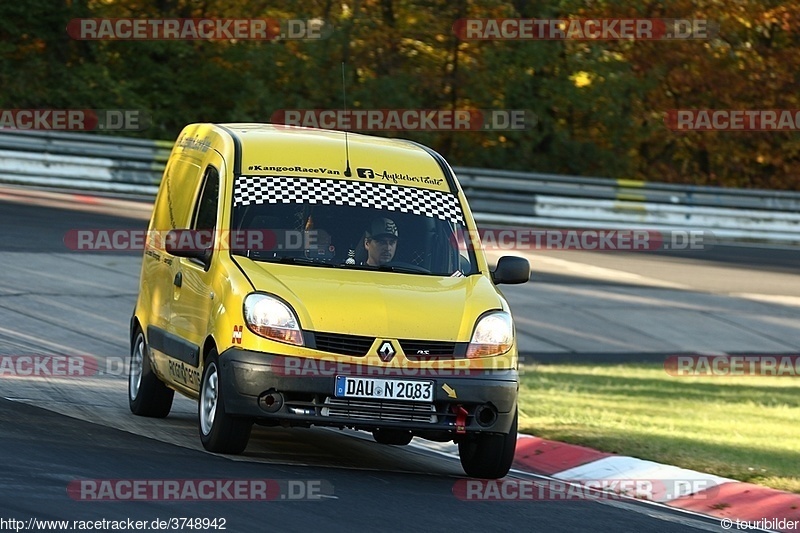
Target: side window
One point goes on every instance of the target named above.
(204, 218)
(205, 212)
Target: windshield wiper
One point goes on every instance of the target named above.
(304, 261)
(266, 256)
(402, 268)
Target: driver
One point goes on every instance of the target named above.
(380, 241)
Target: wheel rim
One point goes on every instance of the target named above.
(137, 363)
(208, 400)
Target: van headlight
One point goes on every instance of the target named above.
(493, 335)
(271, 318)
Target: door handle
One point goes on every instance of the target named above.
(178, 281)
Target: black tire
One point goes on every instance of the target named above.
(396, 437)
(487, 455)
(219, 432)
(147, 395)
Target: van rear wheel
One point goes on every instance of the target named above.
(147, 395)
(487, 455)
(219, 432)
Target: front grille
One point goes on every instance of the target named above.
(343, 344)
(372, 410)
(421, 349)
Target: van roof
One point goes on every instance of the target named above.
(269, 149)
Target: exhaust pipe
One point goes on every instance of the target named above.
(271, 401)
(486, 415)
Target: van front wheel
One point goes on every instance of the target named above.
(489, 456)
(219, 432)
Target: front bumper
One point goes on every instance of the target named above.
(250, 383)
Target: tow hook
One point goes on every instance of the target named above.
(461, 420)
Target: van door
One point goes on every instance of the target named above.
(192, 280)
(172, 211)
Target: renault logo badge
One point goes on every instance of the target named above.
(386, 351)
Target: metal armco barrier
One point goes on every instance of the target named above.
(83, 161)
(550, 200)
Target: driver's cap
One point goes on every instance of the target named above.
(381, 227)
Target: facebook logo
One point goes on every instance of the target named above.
(365, 173)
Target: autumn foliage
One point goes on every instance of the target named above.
(600, 104)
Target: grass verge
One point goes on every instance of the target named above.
(743, 427)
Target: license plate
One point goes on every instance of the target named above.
(384, 389)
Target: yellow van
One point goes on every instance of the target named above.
(304, 277)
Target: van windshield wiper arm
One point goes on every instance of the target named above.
(261, 255)
(406, 268)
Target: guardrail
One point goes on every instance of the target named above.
(549, 200)
(82, 161)
(92, 162)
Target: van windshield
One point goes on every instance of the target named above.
(350, 224)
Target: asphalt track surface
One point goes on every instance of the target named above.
(56, 431)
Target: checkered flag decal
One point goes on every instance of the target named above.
(284, 190)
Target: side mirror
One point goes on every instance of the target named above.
(511, 269)
(190, 244)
